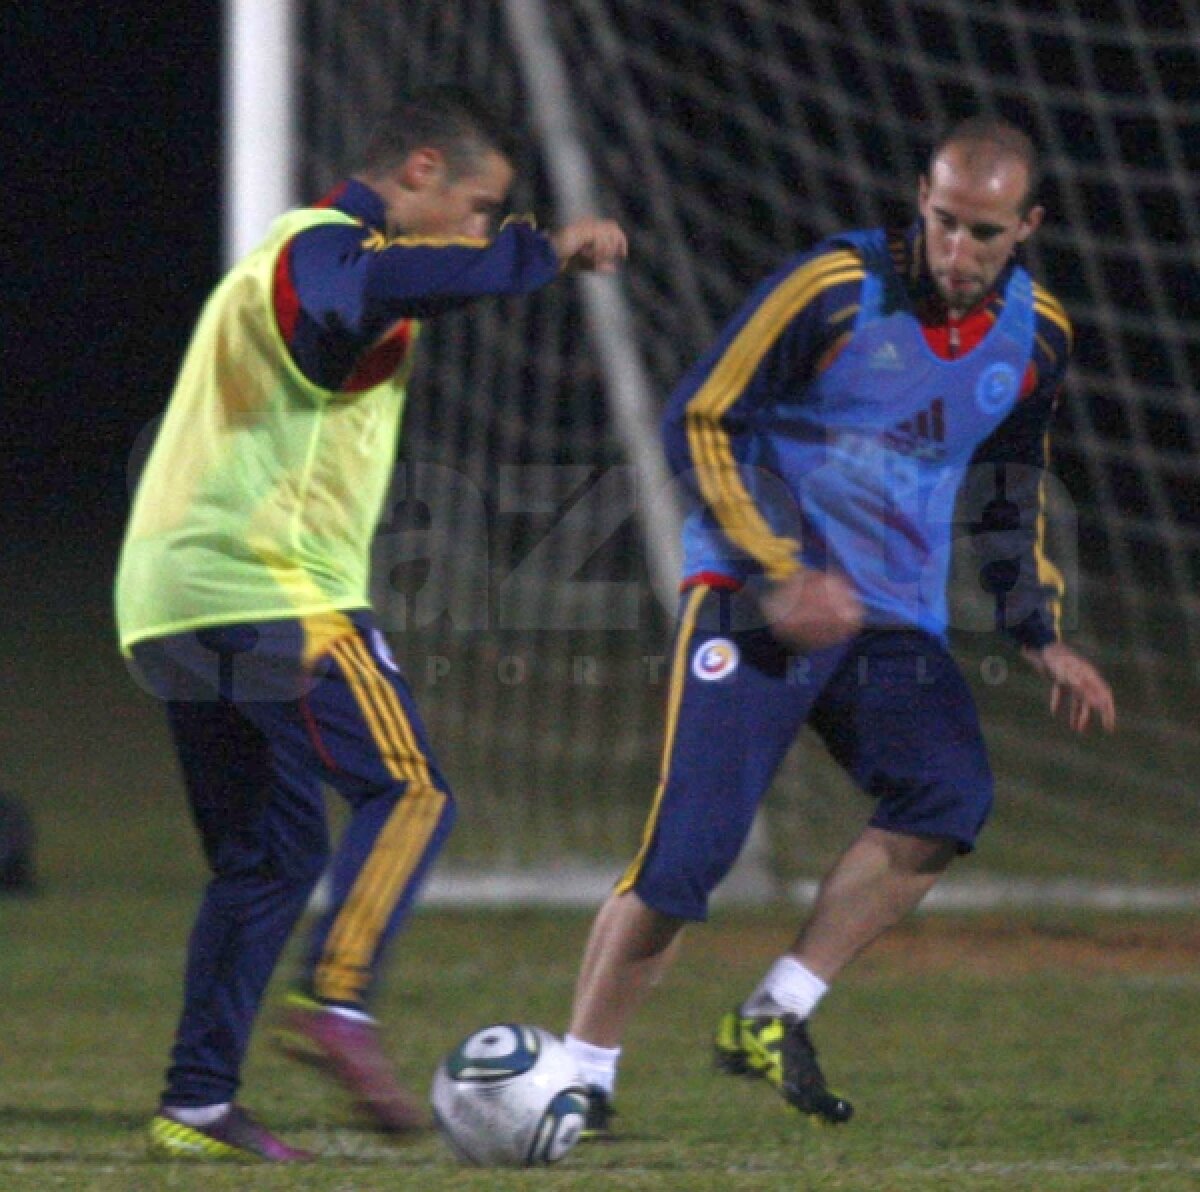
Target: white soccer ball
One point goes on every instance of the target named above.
(509, 1095)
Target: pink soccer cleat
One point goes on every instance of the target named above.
(348, 1048)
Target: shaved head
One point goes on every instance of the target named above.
(978, 206)
(984, 146)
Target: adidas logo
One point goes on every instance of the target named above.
(885, 358)
(924, 435)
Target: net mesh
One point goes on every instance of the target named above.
(726, 135)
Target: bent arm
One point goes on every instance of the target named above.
(1006, 498)
(1007, 488)
(362, 282)
(710, 429)
(340, 288)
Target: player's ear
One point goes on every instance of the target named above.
(1030, 222)
(922, 192)
(422, 168)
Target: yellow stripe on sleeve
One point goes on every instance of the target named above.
(717, 470)
(1048, 574)
(1046, 350)
(377, 242)
(679, 663)
(1044, 303)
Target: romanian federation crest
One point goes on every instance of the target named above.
(715, 659)
(996, 388)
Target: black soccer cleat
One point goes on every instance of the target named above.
(597, 1122)
(779, 1050)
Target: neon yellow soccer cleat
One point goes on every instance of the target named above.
(779, 1050)
(235, 1135)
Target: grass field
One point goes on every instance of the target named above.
(1050, 1052)
(1046, 1051)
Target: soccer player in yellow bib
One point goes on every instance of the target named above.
(242, 597)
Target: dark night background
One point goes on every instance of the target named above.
(112, 131)
(112, 143)
(113, 117)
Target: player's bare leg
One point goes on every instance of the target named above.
(874, 884)
(628, 951)
(878, 879)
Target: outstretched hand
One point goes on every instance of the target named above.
(1076, 686)
(813, 609)
(590, 244)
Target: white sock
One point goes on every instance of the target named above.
(202, 1115)
(350, 1013)
(788, 988)
(597, 1065)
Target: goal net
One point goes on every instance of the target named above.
(513, 572)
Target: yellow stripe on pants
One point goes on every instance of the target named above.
(679, 664)
(345, 964)
(344, 968)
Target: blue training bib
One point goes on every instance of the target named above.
(863, 466)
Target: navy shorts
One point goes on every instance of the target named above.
(891, 706)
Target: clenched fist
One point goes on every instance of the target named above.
(590, 244)
(813, 609)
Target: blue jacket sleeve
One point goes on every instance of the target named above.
(349, 285)
(364, 282)
(1005, 506)
(712, 427)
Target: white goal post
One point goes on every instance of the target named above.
(257, 108)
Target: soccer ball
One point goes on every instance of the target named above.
(509, 1095)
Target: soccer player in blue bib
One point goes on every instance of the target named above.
(242, 598)
(825, 437)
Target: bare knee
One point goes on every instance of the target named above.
(643, 931)
(925, 855)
